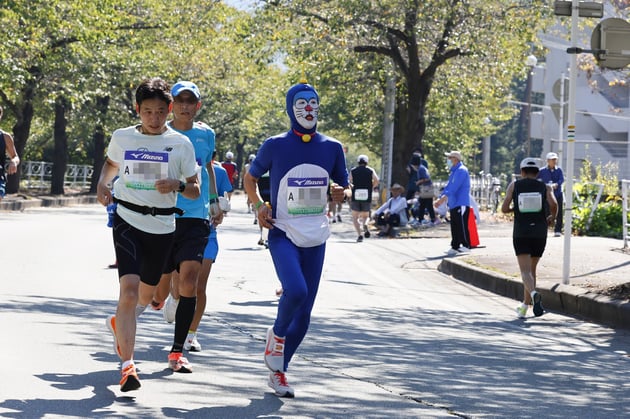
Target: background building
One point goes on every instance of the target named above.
(602, 106)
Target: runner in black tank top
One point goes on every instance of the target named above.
(531, 201)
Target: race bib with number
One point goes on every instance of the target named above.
(361, 194)
(530, 202)
(301, 205)
(143, 168)
(306, 196)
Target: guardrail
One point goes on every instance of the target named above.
(38, 175)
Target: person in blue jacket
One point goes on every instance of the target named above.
(552, 175)
(300, 163)
(456, 194)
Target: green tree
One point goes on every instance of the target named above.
(75, 66)
(47, 47)
(466, 51)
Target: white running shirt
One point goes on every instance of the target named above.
(143, 159)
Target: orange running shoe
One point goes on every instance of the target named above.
(129, 380)
(178, 363)
(111, 325)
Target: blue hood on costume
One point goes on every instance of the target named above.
(300, 87)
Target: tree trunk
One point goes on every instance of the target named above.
(98, 139)
(410, 125)
(21, 131)
(60, 154)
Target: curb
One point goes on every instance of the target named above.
(566, 299)
(46, 201)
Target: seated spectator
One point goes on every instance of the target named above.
(392, 213)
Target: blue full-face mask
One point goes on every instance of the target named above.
(302, 94)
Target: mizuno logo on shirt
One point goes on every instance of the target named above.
(305, 182)
(147, 156)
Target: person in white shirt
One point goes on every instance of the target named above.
(392, 213)
(153, 163)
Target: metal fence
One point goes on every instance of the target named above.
(37, 175)
(487, 189)
(625, 188)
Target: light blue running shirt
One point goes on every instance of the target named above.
(203, 140)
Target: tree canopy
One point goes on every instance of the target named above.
(453, 61)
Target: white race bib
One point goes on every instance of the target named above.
(306, 196)
(143, 168)
(530, 202)
(301, 205)
(361, 194)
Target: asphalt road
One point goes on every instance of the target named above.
(390, 336)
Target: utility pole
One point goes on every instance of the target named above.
(388, 133)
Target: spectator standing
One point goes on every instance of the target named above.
(412, 186)
(552, 175)
(363, 179)
(300, 163)
(7, 147)
(393, 213)
(535, 208)
(426, 194)
(456, 194)
(418, 152)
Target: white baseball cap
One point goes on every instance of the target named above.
(455, 154)
(551, 156)
(529, 162)
(229, 155)
(362, 158)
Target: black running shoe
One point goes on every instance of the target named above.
(538, 308)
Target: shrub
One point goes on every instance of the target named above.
(606, 221)
(607, 218)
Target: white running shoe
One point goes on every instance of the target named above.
(452, 252)
(274, 351)
(278, 382)
(521, 311)
(192, 344)
(463, 249)
(170, 308)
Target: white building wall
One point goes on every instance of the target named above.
(603, 113)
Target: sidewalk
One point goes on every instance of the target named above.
(599, 275)
(599, 279)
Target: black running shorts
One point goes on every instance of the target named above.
(529, 246)
(191, 238)
(140, 253)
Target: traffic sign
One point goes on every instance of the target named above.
(557, 90)
(610, 42)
